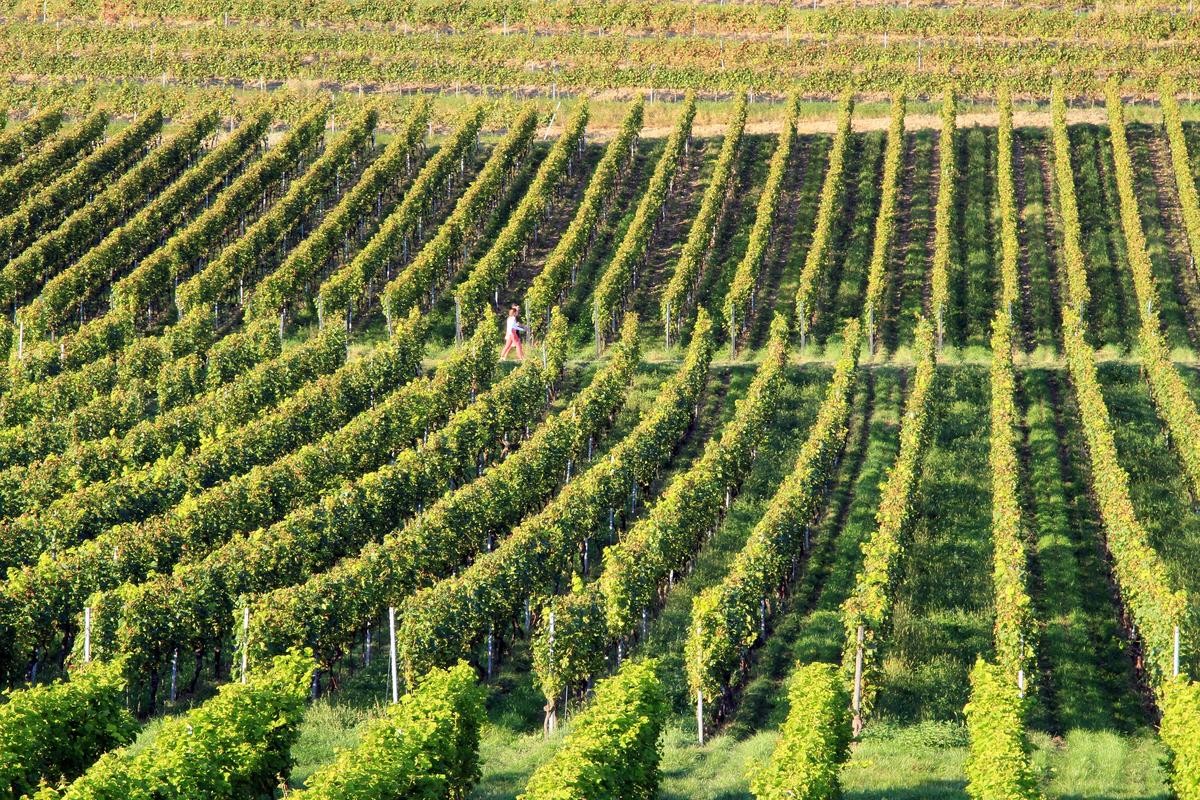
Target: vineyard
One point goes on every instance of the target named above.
(854, 448)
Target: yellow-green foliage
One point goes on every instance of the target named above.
(813, 742)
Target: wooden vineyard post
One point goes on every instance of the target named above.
(550, 723)
(700, 717)
(245, 639)
(392, 653)
(1175, 658)
(858, 684)
(87, 635)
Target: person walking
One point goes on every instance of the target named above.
(513, 332)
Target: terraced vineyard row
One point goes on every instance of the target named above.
(861, 458)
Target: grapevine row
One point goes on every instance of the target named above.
(869, 606)
(190, 607)
(54, 732)
(814, 740)
(1078, 295)
(1014, 616)
(132, 495)
(1041, 20)
(739, 300)
(121, 248)
(50, 159)
(680, 295)
(549, 286)
(193, 464)
(234, 745)
(428, 741)
(619, 277)
(40, 600)
(581, 60)
(44, 210)
(506, 249)
(613, 749)
(831, 192)
(327, 610)
(18, 140)
(1156, 611)
(726, 617)
(240, 260)
(436, 264)
(998, 764)
(88, 225)
(1010, 280)
(1185, 184)
(346, 287)
(137, 290)
(378, 181)
(442, 621)
(885, 222)
(943, 213)
(1139, 571)
(572, 648)
(1167, 387)
(997, 690)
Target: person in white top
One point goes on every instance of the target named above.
(513, 332)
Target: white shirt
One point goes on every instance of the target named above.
(513, 326)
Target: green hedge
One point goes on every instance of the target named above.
(998, 767)
(425, 746)
(814, 740)
(612, 750)
(56, 731)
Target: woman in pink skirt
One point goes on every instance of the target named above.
(513, 333)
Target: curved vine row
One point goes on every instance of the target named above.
(831, 192)
(739, 300)
(558, 273)
(680, 294)
(39, 601)
(472, 295)
(619, 278)
(329, 609)
(441, 257)
(192, 606)
(442, 621)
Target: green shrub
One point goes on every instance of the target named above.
(425, 746)
(815, 739)
(998, 767)
(612, 750)
(1179, 701)
(57, 731)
